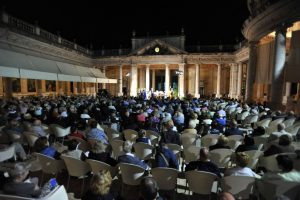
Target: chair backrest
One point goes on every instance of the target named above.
(50, 165)
(61, 132)
(176, 149)
(97, 166)
(254, 157)
(270, 189)
(243, 115)
(58, 193)
(83, 145)
(31, 138)
(112, 134)
(240, 186)
(153, 136)
(15, 136)
(221, 157)
(7, 153)
(130, 134)
(236, 137)
(262, 139)
(289, 122)
(117, 147)
(209, 140)
(200, 182)
(270, 163)
(188, 140)
(131, 174)
(264, 123)
(233, 144)
(81, 168)
(273, 125)
(143, 151)
(166, 178)
(191, 153)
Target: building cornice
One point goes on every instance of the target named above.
(242, 55)
(23, 44)
(282, 13)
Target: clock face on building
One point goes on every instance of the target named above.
(156, 49)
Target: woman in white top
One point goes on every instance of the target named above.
(241, 169)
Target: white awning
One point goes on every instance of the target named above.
(97, 73)
(42, 64)
(13, 59)
(86, 74)
(106, 80)
(9, 72)
(32, 74)
(68, 72)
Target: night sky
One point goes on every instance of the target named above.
(110, 23)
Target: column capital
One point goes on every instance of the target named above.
(181, 64)
(253, 43)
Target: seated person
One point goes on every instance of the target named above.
(288, 173)
(37, 128)
(76, 133)
(100, 187)
(248, 144)
(283, 146)
(165, 157)
(100, 152)
(41, 145)
(233, 129)
(170, 136)
(148, 189)
(221, 144)
(241, 169)
(130, 158)
(204, 163)
(73, 150)
(142, 137)
(95, 133)
(20, 185)
(259, 131)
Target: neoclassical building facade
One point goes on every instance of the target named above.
(265, 67)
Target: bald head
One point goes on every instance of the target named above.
(204, 154)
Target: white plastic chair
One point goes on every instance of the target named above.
(77, 168)
(143, 151)
(130, 135)
(97, 166)
(188, 140)
(59, 131)
(289, 122)
(240, 186)
(131, 174)
(254, 157)
(49, 165)
(200, 182)
(117, 147)
(7, 153)
(166, 178)
(221, 157)
(209, 140)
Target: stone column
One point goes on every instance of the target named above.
(1, 87)
(96, 88)
(8, 93)
(219, 81)
(278, 70)
(298, 92)
(251, 71)
(197, 81)
(104, 73)
(133, 82)
(120, 93)
(181, 80)
(234, 80)
(288, 86)
(79, 87)
(24, 86)
(39, 87)
(147, 78)
(239, 81)
(75, 88)
(153, 80)
(167, 80)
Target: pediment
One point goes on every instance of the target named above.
(158, 47)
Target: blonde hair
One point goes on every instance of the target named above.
(99, 147)
(101, 182)
(242, 159)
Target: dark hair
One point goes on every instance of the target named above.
(40, 144)
(148, 188)
(285, 162)
(72, 145)
(93, 123)
(249, 141)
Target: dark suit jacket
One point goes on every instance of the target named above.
(204, 166)
(132, 160)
